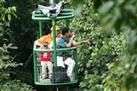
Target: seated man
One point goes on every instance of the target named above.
(63, 43)
(46, 38)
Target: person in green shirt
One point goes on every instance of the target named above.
(66, 41)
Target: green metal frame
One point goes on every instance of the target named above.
(39, 16)
(40, 28)
(54, 42)
(36, 74)
(65, 14)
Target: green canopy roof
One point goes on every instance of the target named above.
(64, 14)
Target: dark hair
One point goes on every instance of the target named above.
(65, 30)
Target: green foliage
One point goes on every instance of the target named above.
(15, 85)
(94, 58)
(6, 13)
(91, 83)
(106, 63)
(5, 63)
(121, 76)
(7, 59)
(22, 34)
(115, 15)
(75, 2)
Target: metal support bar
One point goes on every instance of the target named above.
(67, 23)
(40, 28)
(35, 66)
(54, 42)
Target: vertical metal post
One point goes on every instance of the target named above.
(54, 41)
(67, 23)
(40, 28)
(35, 66)
(76, 68)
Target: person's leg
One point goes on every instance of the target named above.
(60, 61)
(43, 73)
(50, 68)
(71, 64)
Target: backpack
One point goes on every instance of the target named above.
(59, 75)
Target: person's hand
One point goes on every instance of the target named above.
(73, 36)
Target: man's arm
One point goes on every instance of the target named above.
(70, 41)
(76, 43)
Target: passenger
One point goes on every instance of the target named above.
(46, 62)
(46, 38)
(64, 43)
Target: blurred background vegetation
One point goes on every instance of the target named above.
(109, 61)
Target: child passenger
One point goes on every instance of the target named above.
(46, 62)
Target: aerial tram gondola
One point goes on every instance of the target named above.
(64, 14)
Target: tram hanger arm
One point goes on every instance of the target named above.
(51, 10)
